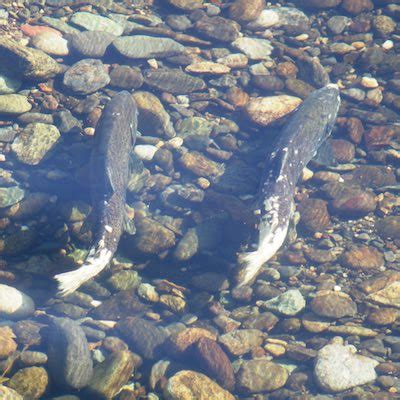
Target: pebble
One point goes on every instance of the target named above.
(91, 44)
(111, 375)
(15, 304)
(181, 341)
(146, 338)
(383, 25)
(213, 360)
(153, 118)
(289, 303)
(145, 151)
(333, 305)
(9, 394)
(363, 258)
(389, 227)
(69, 360)
(254, 49)
(338, 23)
(173, 81)
(261, 375)
(266, 110)
(314, 215)
(218, 28)
(338, 368)
(14, 104)
(368, 82)
(358, 6)
(319, 3)
(207, 67)
(34, 142)
(93, 22)
(126, 77)
(388, 296)
(189, 5)
(8, 82)
(148, 292)
(86, 76)
(10, 195)
(242, 341)
(139, 46)
(246, 10)
(187, 385)
(51, 44)
(7, 343)
(30, 382)
(32, 64)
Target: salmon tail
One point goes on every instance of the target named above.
(250, 264)
(96, 261)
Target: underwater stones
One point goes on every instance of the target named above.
(363, 258)
(188, 5)
(266, 110)
(140, 46)
(389, 227)
(333, 305)
(173, 81)
(9, 394)
(34, 142)
(10, 195)
(245, 10)
(180, 342)
(254, 49)
(31, 63)
(30, 382)
(14, 104)
(91, 44)
(110, 375)
(357, 6)
(318, 3)
(389, 295)
(185, 385)
(86, 76)
(289, 303)
(126, 77)
(214, 362)
(15, 304)
(124, 280)
(69, 360)
(145, 337)
(207, 67)
(152, 237)
(200, 165)
(242, 341)
(218, 28)
(51, 43)
(152, 117)
(7, 342)
(261, 375)
(338, 368)
(314, 215)
(93, 22)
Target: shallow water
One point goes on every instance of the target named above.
(165, 314)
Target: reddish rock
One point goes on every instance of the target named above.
(33, 30)
(215, 362)
(378, 136)
(343, 150)
(318, 3)
(237, 97)
(355, 129)
(246, 10)
(333, 305)
(314, 215)
(357, 6)
(362, 258)
(179, 343)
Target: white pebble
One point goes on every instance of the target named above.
(15, 304)
(145, 151)
(388, 45)
(368, 82)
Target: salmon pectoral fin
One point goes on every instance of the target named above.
(88, 224)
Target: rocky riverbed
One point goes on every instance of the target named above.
(214, 81)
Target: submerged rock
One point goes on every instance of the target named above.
(70, 363)
(14, 104)
(15, 304)
(30, 382)
(338, 368)
(93, 22)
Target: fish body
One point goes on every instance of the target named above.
(299, 141)
(113, 143)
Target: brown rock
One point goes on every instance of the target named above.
(383, 316)
(215, 362)
(191, 385)
(357, 6)
(218, 28)
(179, 343)
(362, 257)
(319, 3)
(287, 69)
(355, 129)
(378, 136)
(353, 202)
(379, 281)
(7, 342)
(343, 150)
(389, 227)
(237, 97)
(246, 10)
(242, 341)
(30, 382)
(388, 296)
(372, 176)
(188, 5)
(201, 165)
(266, 110)
(384, 25)
(333, 305)
(314, 215)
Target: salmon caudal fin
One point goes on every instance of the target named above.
(96, 261)
(250, 264)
